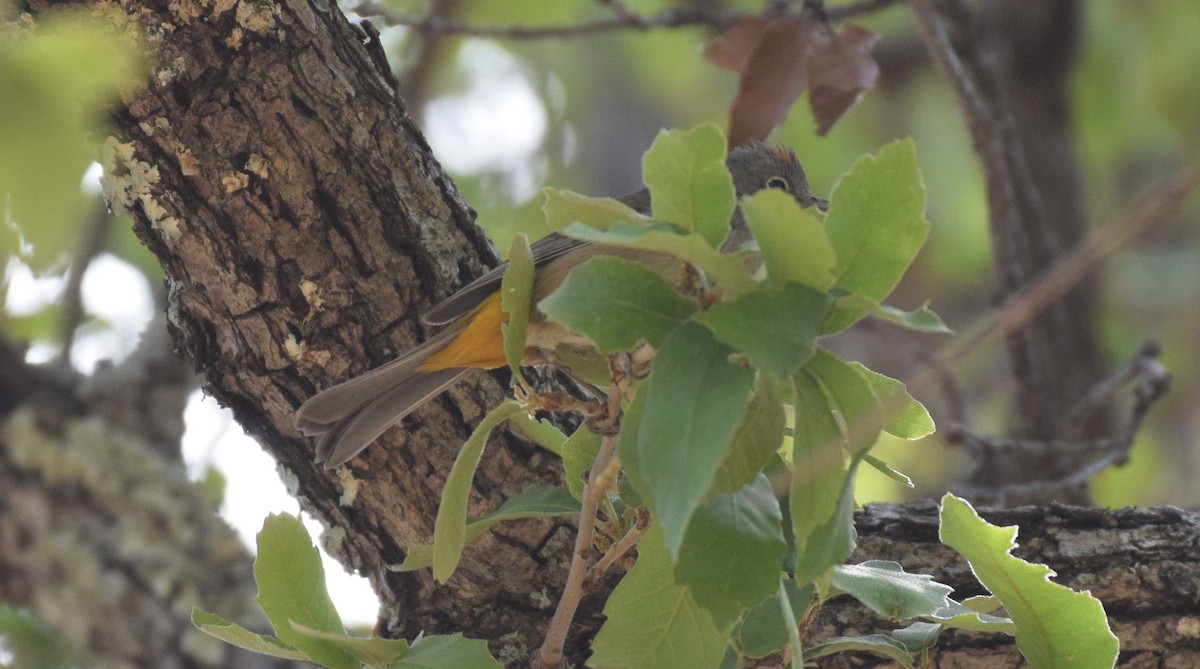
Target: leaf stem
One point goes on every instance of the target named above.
(789, 617)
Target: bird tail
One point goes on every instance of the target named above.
(349, 416)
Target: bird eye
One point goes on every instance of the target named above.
(778, 182)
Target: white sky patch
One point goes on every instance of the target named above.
(253, 490)
(118, 294)
(496, 125)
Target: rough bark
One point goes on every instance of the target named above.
(1142, 564)
(303, 224)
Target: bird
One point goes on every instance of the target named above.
(348, 417)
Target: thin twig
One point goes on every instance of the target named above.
(1155, 383)
(622, 19)
(618, 550)
(598, 483)
(1152, 209)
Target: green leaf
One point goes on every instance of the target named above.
(890, 591)
(824, 536)
(58, 85)
(853, 397)
(579, 453)
(906, 418)
(757, 438)
(763, 630)
(541, 432)
(291, 589)
(876, 221)
(918, 637)
(371, 651)
(689, 182)
(776, 328)
(964, 617)
(453, 651)
(564, 209)
(633, 487)
(695, 403)
(585, 364)
(727, 270)
(652, 622)
(536, 502)
(732, 552)
(883, 468)
(1056, 627)
(449, 530)
(516, 298)
(793, 242)
(29, 642)
(239, 636)
(847, 309)
(616, 303)
(872, 643)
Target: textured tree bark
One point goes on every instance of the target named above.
(303, 225)
(1141, 563)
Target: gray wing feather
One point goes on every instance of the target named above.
(357, 430)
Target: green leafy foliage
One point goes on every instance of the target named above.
(794, 245)
(890, 591)
(652, 622)
(876, 224)
(820, 478)
(291, 585)
(565, 209)
(516, 298)
(578, 455)
(728, 271)
(31, 643)
(536, 502)
(695, 403)
(1055, 626)
(616, 303)
(763, 629)
(873, 643)
(450, 528)
(689, 183)
(732, 551)
(785, 321)
(58, 84)
(291, 589)
(756, 440)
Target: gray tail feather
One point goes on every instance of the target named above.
(349, 416)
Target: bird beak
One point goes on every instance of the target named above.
(814, 201)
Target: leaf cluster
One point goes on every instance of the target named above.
(743, 441)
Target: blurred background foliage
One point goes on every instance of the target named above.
(508, 116)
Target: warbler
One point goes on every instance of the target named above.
(352, 414)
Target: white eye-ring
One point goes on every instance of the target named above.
(778, 182)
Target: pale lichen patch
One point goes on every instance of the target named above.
(128, 183)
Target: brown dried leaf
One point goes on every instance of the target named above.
(733, 48)
(773, 77)
(839, 70)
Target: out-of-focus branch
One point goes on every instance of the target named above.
(622, 19)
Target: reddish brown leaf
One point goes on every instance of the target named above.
(839, 70)
(733, 48)
(773, 77)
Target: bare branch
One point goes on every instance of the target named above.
(622, 19)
